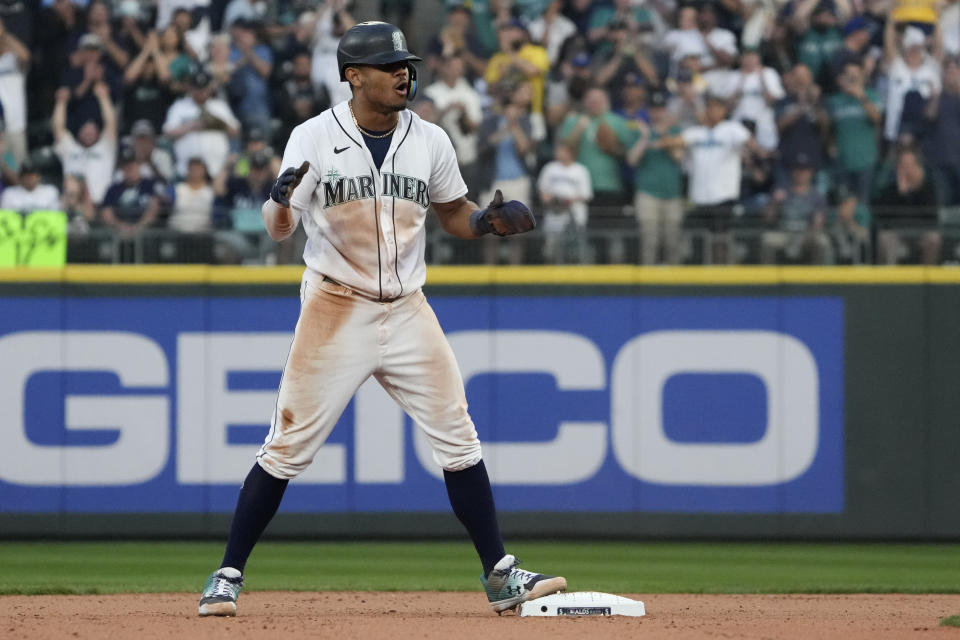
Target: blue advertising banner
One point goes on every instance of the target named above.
(616, 403)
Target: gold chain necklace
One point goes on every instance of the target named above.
(364, 131)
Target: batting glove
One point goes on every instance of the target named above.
(502, 218)
(286, 183)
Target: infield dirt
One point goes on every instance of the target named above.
(465, 616)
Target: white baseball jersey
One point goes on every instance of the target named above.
(365, 231)
(365, 226)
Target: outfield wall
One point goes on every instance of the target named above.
(612, 401)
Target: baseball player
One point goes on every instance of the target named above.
(361, 177)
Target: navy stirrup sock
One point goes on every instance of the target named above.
(472, 501)
(259, 500)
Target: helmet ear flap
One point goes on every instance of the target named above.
(412, 88)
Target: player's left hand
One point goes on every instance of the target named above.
(502, 218)
(286, 183)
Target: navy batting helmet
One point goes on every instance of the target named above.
(375, 43)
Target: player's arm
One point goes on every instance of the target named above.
(455, 216)
(277, 214)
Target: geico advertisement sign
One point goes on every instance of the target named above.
(163, 409)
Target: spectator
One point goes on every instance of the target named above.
(253, 63)
(173, 63)
(802, 123)
(459, 38)
(640, 21)
(855, 48)
(516, 63)
(625, 59)
(950, 28)
(798, 214)
(89, 69)
(906, 212)
(551, 30)
(331, 21)
(81, 214)
(9, 166)
(14, 61)
(574, 78)
(657, 182)
(697, 34)
(564, 188)
(459, 113)
(821, 40)
(686, 105)
(752, 91)
(856, 114)
(192, 213)
(156, 163)
(93, 152)
(633, 100)
(242, 194)
(721, 44)
(30, 194)
(218, 63)
(256, 143)
(130, 31)
(147, 95)
(505, 139)
(133, 202)
(597, 135)
(98, 23)
(192, 207)
(200, 126)
(426, 108)
(18, 18)
(298, 99)
(943, 112)
(714, 168)
(58, 25)
(195, 30)
(242, 10)
(914, 77)
(238, 199)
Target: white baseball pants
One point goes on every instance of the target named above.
(341, 339)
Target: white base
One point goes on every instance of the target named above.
(582, 603)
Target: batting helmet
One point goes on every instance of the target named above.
(375, 43)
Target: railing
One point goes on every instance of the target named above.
(611, 236)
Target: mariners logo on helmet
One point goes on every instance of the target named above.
(375, 43)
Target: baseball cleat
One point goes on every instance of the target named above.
(507, 586)
(220, 593)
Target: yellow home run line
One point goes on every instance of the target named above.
(486, 275)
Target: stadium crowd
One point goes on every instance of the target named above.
(818, 131)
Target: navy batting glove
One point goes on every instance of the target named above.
(286, 183)
(502, 218)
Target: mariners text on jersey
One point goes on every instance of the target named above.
(339, 189)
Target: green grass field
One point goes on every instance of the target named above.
(648, 567)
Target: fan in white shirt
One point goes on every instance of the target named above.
(93, 153)
(30, 194)
(201, 126)
(752, 91)
(459, 107)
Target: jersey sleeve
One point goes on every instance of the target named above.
(446, 183)
(299, 148)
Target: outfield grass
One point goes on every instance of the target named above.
(117, 567)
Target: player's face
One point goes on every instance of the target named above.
(386, 85)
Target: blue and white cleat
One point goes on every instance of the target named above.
(220, 593)
(507, 586)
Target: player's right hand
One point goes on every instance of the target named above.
(286, 183)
